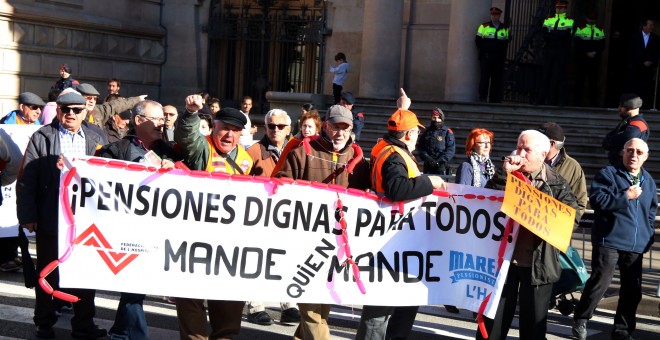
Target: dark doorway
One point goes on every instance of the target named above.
(626, 19)
(265, 45)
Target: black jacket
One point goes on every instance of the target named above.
(130, 149)
(629, 128)
(397, 185)
(545, 259)
(38, 184)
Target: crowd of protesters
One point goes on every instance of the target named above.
(206, 136)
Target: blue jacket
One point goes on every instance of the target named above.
(621, 223)
(10, 118)
(436, 144)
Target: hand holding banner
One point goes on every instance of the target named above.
(540, 213)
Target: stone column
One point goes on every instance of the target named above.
(462, 81)
(381, 49)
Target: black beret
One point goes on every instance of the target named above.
(630, 100)
(231, 116)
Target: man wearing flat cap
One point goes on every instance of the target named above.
(492, 40)
(328, 160)
(37, 193)
(565, 165)
(632, 125)
(218, 152)
(558, 33)
(29, 110)
(99, 115)
(395, 175)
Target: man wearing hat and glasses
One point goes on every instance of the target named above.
(326, 159)
(219, 151)
(29, 110)
(492, 40)
(632, 125)
(394, 174)
(100, 114)
(558, 33)
(37, 193)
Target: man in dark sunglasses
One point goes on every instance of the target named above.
(29, 110)
(267, 151)
(37, 193)
(101, 113)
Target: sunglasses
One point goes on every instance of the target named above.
(91, 97)
(279, 126)
(35, 107)
(76, 110)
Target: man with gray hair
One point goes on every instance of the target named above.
(534, 262)
(142, 144)
(625, 203)
(265, 154)
(565, 165)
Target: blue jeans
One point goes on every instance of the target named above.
(130, 322)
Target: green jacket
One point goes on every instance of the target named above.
(194, 147)
(572, 172)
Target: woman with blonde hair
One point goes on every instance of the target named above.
(478, 169)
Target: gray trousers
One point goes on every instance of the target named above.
(386, 322)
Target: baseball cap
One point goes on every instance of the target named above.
(403, 120)
(338, 114)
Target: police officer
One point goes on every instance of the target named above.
(437, 145)
(492, 40)
(558, 30)
(589, 44)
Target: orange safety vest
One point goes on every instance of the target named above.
(379, 154)
(216, 162)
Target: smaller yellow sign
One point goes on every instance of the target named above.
(540, 213)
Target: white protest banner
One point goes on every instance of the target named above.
(20, 134)
(255, 239)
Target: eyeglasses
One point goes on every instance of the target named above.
(67, 110)
(483, 143)
(631, 151)
(35, 107)
(154, 119)
(278, 126)
(91, 97)
(336, 129)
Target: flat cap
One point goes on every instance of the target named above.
(348, 97)
(338, 114)
(87, 89)
(71, 98)
(29, 98)
(630, 100)
(231, 116)
(553, 131)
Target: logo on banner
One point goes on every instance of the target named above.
(115, 260)
(466, 266)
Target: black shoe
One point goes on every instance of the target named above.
(621, 336)
(44, 332)
(291, 315)
(91, 333)
(452, 309)
(579, 329)
(260, 318)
